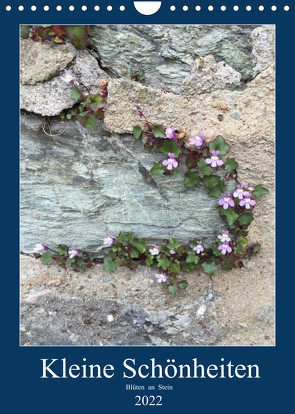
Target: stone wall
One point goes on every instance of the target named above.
(78, 185)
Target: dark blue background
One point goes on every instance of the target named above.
(21, 367)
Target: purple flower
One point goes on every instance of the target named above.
(250, 188)
(239, 191)
(247, 202)
(39, 247)
(172, 251)
(171, 162)
(69, 77)
(225, 247)
(73, 252)
(199, 248)
(197, 141)
(214, 160)
(154, 250)
(170, 134)
(108, 241)
(224, 237)
(161, 277)
(226, 201)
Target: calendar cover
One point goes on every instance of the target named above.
(142, 171)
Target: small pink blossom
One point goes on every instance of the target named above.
(171, 162)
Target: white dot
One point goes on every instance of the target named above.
(21, 8)
(96, 8)
(236, 8)
(248, 8)
(109, 8)
(33, 8)
(84, 8)
(71, 8)
(198, 8)
(273, 8)
(223, 8)
(210, 8)
(185, 8)
(172, 8)
(58, 8)
(46, 8)
(286, 8)
(8, 8)
(261, 8)
(122, 8)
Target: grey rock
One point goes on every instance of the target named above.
(39, 62)
(80, 185)
(62, 320)
(207, 75)
(167, 52)
(263, 47)
(52, 96)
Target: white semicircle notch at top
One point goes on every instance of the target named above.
(147, 7)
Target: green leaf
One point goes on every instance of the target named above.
(97, 102)
(246, 219)
(46, 258)
(163, 261)
(242, 242)
(170, 145)
(230, 215)
(79, 261)
(256, 248)
(219, 145)
(140, 245)
(61, 249)
(92, 256)
(125, 238)
(211, 181)
(134, 254)
(227, 266)
(24, 31)
(174, 267)
(216, 251)
(173, 244)
(76, 30)
(140, 74)
(109, 264)
(80, 42)
(90, 123)
(182, 284)
(215, 191)
(150, 259)
(71, 261)
(99, 114)
(188, 267)
(192, 257)
(158, 131)
(157, 169)
(204, 169)
(222, 186)
(231, 165)
(191, 161)
(259, 191)
(76, 95)
(173, 289)
(191, 179)
(209, 268)
(137, 132)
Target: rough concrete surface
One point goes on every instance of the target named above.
(79, 185)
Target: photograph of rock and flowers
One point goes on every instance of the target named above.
(147, 185)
